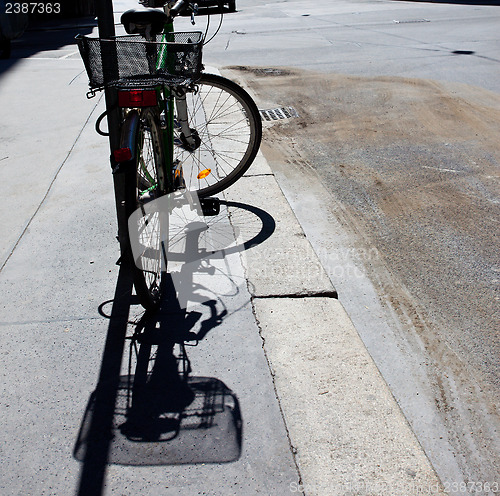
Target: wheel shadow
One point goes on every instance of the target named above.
(159, 412)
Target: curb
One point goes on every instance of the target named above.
(346, 431)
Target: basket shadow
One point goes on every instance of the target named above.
(200, 423)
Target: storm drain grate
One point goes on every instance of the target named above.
(278, 113)
(410, 21)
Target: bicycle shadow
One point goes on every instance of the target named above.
(160, 412)
(163, 415)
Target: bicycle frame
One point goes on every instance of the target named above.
(165, 100)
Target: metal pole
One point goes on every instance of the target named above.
(96, 458)
(106, 25)
(105, 20)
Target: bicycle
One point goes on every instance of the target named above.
(181, 129)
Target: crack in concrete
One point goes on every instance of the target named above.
(318, 294)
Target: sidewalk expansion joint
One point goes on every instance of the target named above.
(263, 174)
(319, 294)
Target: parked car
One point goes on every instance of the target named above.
(231, 4)
(12, 26)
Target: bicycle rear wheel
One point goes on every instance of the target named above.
(227, 131)
(147, 223)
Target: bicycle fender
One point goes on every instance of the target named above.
(129, 132)
(128, 139)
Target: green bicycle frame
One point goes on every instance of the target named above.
(167, 106)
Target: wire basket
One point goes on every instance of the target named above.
(172, 59)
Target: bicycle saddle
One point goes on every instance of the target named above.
(148, 22)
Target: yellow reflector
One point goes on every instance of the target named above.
(204, 173)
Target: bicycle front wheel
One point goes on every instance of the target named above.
(147, 223)
(226, 131)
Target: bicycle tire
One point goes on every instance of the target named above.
(145, 182)
(228, 127)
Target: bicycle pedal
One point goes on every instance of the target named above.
(210, 206)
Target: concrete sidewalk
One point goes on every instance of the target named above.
(319, 407)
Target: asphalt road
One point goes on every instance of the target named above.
(392, 169)
(449, 41)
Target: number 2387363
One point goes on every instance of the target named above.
(32, 8)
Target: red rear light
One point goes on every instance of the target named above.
(136, 98)
(122, 154)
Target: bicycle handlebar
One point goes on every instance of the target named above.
(178, 7)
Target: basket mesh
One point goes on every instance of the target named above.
(176, 59)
